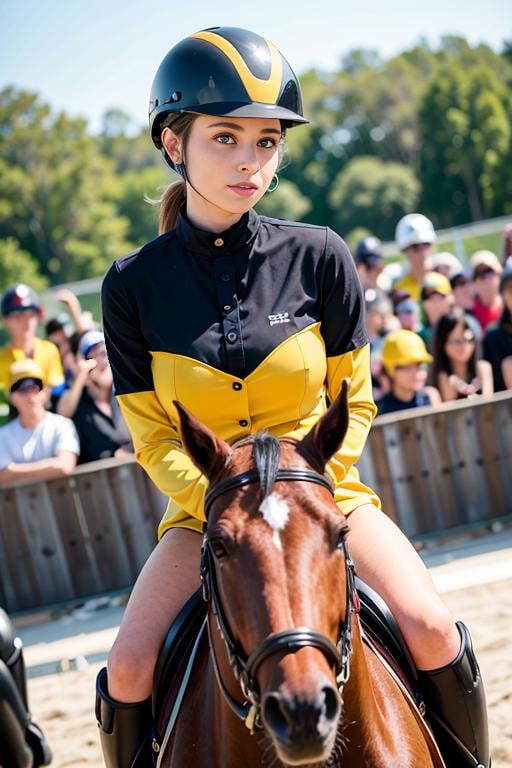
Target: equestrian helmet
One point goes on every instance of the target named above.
(226, 72)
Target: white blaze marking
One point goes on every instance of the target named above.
(275, 511)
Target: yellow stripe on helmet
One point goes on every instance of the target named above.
(264, 91)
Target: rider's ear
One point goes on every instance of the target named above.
(208, 452)
(326, 437)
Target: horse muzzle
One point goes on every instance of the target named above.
(302, 730)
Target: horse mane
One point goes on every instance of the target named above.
(266, 452)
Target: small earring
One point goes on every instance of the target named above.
(274, 183)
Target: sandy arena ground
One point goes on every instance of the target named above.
(63, 703)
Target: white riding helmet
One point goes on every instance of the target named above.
(412, 229)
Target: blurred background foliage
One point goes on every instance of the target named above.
(428, 130)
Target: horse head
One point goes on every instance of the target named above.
(278, 579)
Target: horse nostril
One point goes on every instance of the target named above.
(332, 703)
(274, 716)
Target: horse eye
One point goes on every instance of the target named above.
(219, 549)
(341, 535)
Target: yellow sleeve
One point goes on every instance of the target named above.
(356, 367)
(159, 450)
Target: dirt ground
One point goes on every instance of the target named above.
(63, 703)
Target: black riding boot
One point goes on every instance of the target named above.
(455, 700)
(124, 729)
(22, 736)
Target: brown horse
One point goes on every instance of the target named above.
(287, 679)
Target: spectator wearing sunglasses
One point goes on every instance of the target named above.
(486, 284)
(458, 372)
(36, 444)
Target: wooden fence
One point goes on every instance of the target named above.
(70, 538)
(442, 468)
(76, 536)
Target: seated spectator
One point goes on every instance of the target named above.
(445, 263)
(408, 314)
(436, 301)
(65, 330)
(463, 297)
(497, 341)
(379, 320)
(36, 444)
(405, 358)
(21, 312)
(369, 261)
(57, 332)
(486, 282)
(90, 402)
(415, 237)
(457, 371)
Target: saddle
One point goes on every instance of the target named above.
(175, 660)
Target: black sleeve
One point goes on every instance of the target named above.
(127, 349)
(342, 310)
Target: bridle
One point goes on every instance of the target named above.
(245, 667)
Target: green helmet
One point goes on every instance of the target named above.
(228, 72)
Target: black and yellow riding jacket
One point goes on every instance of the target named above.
(249, 329)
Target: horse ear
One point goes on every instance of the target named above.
(208, 452)
(325, 438)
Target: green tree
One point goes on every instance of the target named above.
(466, 139)
(54, 190)
(18, 266)
(372, 194)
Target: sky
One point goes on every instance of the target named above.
(86, 56)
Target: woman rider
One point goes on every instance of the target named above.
(249, 322)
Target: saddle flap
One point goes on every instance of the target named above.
(174, 654)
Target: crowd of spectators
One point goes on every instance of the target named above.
(57, 405)
(439, 330)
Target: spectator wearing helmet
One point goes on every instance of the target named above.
(405, 359)
(436, 301)
(457, 370)
(250, 322)
(21, 312)
(497, 341)
(91, 404)
(415, 236)
(369, 261)
(37, 444)
(486, 285)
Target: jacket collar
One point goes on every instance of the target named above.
(217, 243)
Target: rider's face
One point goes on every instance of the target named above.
(230, 163)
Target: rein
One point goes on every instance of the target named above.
(245, 667)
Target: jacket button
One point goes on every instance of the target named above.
(219, 242)
(243, 423)
(227, 307)
(225, 277)
(232, 336)
(237, 386)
